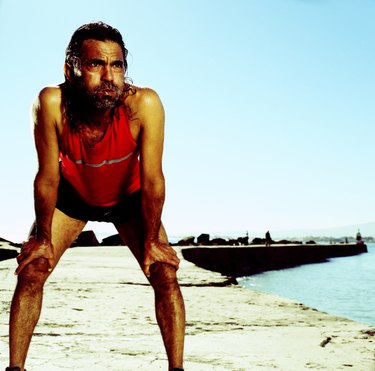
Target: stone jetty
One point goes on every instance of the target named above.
(247, 260)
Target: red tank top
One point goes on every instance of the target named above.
(104, 174)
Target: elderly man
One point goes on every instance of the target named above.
(99, 142)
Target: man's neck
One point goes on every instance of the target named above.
(99, 118)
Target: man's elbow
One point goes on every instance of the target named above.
(46, 181)
(154, 185)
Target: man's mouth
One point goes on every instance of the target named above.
(107, 91)
(105, 96)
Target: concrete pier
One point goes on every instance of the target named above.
(248, 260)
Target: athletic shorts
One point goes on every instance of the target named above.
(70, 203)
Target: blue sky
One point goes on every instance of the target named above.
(269, 105)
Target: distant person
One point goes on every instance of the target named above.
(359, 237)
(268, 239)
(99, 142)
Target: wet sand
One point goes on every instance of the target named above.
(98, 314)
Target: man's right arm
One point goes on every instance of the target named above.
(46, 118)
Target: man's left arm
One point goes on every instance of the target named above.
(152, 181)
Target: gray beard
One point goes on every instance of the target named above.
(105, 103)
(102, 103)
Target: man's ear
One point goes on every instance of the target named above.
(68, 72)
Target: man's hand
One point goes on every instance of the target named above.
(35, 249)
(159, 252)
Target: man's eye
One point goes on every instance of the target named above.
(118, 65)
(94, 64)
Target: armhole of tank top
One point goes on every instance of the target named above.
(64, 131)
(124, 117)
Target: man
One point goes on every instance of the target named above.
(99, 142)
(268, 239)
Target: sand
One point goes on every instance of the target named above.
(98, 314)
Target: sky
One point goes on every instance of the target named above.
(269, 106)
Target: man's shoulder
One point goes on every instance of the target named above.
(50, 95)
(142, 97)
(140, 93)
(48, 105)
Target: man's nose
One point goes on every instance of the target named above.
(107, 73)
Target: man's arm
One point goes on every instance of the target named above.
(45, 113)
(151, 112)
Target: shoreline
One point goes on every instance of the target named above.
(99, 310)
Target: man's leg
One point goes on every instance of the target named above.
(27, 299)
(169, 303)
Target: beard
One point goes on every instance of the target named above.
(105, 96)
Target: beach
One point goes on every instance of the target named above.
(98, 314)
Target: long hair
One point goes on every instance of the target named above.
(96, 31)
(71, 96)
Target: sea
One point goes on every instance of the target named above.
(340, 286)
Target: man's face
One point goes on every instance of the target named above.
(101, 72)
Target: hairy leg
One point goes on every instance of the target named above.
(27, 300)
(169, 303)
(170, 311)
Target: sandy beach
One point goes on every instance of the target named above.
(98, 314)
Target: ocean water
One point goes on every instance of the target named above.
(341, 286)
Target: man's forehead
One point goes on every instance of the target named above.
(95, 48)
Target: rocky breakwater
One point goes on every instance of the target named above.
(8, 249)
(237, 261)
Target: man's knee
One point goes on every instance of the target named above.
(35, 272)
(163, 277)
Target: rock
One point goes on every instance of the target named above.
(219, 241)
(7, 254)
(243, 240)
(284, 242)
(86, 238)
(186, 241)
(203, 239)
(258, 241)
(287, 242)
(114, 240)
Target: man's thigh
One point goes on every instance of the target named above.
(64, 232)
(132, 233)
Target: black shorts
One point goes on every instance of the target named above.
(70, 203)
